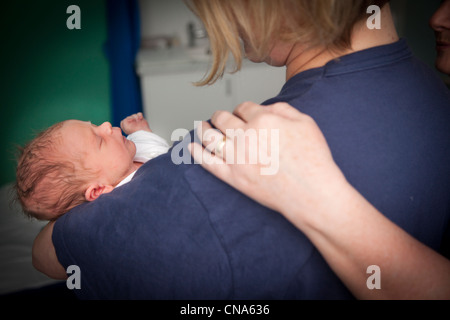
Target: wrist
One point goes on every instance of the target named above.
(322, 206)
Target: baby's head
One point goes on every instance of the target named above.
(69, 163)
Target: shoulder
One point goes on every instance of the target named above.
(153, 223)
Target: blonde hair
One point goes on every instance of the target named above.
(326, 23)
(48, 182)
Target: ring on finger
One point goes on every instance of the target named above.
(220, 145)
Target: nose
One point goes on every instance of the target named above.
(107, 127)
(441, 18)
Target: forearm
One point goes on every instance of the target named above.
(311, 192)
(44, 255)
(352, 235)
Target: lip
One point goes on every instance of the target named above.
(442, 45)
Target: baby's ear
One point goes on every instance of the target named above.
(95, 190)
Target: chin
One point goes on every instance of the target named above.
(252, 57)
(443, 66)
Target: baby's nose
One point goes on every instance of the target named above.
(107, 126)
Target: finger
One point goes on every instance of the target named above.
(201, 154)
(204, 135)
(248, 111)
(224, 120)
(211, 138)
(215, 142)
(210, 162)
(196, 151)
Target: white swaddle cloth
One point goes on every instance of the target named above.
(148, 146)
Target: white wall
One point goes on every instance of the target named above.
(165, 17)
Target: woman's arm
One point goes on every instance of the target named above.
(44, 255)
(310, 190)
(352, 235)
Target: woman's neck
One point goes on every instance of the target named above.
(301, 59)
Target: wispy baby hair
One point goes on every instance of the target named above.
(48, 182)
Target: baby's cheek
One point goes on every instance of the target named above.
(132, 148)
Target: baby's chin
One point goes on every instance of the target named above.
(131, 147)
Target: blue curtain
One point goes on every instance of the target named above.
(121, 48)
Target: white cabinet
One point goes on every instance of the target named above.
(171, 101)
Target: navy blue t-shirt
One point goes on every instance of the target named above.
(176, 232)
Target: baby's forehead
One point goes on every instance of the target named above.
(77, 123)
(76, 133)
(76, 127)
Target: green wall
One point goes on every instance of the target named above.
(48, 72)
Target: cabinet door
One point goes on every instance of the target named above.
(171, 101)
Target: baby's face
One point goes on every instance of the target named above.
(103, 149)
